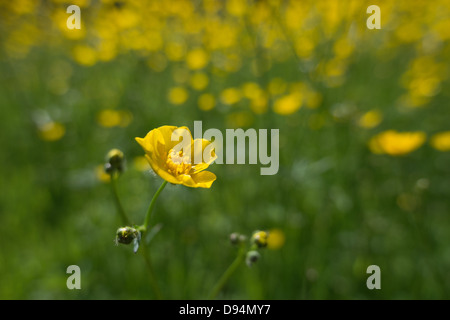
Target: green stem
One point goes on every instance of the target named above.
(148, 262)
(144, 251)
(119, 206)
(152, 205)
(231, 269)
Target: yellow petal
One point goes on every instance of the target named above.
(178, 134)
(197, 149)
(159, 170)
(203, 179)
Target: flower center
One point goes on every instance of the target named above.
(178, 163)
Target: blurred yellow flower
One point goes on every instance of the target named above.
(370, 119)
(441, 141)
(197, 59)
(276, 239)
(109, 118)
(101, 174)
(240, 119)
(206, 102)
(288, 104)
(52, 131)
(396, 143)
(236, 7)
(85, 55)
(259, 104)
(199, 81)
(178, 95)
(175, 51)
(174, 163)
(230, 96)
(251, 90)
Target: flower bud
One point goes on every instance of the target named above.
(260, 238)
(236, 238)
(252, 257)
(114, 161)
(126, 235)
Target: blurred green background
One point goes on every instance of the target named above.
(363, 115)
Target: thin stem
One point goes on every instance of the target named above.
(231, 269)
(144, 251)
(148, 262)
(152, 205)
(119, 206)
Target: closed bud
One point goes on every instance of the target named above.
(260, 238)
(126, 235)
(252, 257)
(115, 161)
(237, 238)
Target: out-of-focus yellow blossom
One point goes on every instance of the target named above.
(230, 96)
(343, 48)
(85, 55)
(59, 18)
(370, 119)
(422, 80)
(236, 7)
(141, 163)
(109, 118)
(175, 51)
(396, 143)
(276, 239)
(101, 174)
(206, 102)
(288, 104)
(178, 166)
(199, 81)
(313, 99)
(197, 59)
(52, 131)
(258, 97)
(409, 31)
(251, 90)
(178, 95)
(304, 46)
(441, 141)
(241, 119)
(259, 104)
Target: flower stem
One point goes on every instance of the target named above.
(144, 251)
(119, 206)
(152, 205)
(231, 269)
(151, 272)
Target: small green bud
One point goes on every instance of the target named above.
(260, 238)
(115, 161)
(126, 235)
(236, 238)
(252, 257)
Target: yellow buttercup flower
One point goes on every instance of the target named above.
(177, 158)
(441, 141)
(396, 143)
